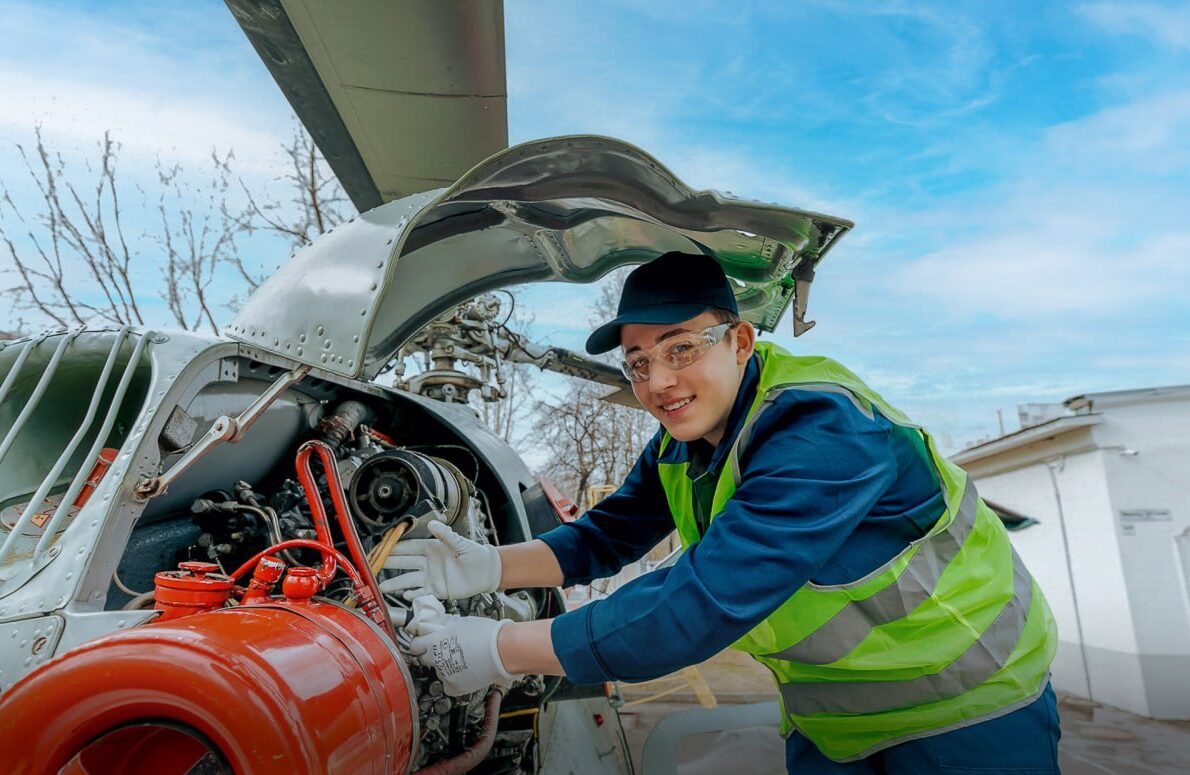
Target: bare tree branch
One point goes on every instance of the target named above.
(317, 203)
(588, 440)
(75, 263)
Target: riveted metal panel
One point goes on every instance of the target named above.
(24, 645)
(71, 580)
(318, 308)
(568, 208)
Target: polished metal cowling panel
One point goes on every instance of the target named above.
(566, 209)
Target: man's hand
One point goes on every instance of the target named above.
(448, 566)
(461, 649)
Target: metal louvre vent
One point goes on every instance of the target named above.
(67, 401)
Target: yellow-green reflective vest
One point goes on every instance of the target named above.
(950, 632)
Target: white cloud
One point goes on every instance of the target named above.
(1041, 271)
(78, 112)
(1147, 134)
(1165, 23)
(174, 82)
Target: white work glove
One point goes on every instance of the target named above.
(461, 649)
(448, 566)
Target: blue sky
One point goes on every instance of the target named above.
(1018, 172)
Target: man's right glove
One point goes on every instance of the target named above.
(461, 649)
(448, 566)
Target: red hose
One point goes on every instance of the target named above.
(305, 475)
(329, 554)
(470, 758)
(369, 591)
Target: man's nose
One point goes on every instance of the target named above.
(661, 378)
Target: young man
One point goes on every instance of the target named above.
(824, 534)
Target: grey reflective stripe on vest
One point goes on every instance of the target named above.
(981, 661)
(745, 436)
(836, 638)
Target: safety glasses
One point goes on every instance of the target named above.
(675, 352)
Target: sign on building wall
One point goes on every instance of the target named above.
(1129, 518)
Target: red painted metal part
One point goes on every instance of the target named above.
(267, 573)
(334, 555)
(275, 688)
(107, 456)
(369, 592)
(141, 748)
(565, 508)
(300, 584)
(305, 475)
(194, 587)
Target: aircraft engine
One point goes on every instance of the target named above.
(293, 661)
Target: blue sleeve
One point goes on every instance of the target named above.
(814, 469)
(618, 530)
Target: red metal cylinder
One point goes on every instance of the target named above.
(300, 584)
(275, 688)
(268, 572)
(194, 587)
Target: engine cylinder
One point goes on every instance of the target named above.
(271, 688)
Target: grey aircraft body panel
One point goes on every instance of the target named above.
(566, 209)
(401, 97)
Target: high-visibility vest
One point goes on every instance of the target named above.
(950, 632)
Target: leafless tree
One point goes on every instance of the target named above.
(313, 203)
(590, 441)
(77, 261)
(88, 252)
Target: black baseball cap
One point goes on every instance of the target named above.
(669, 289)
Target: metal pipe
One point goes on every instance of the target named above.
(328, 552)
(305, 475)
(38, 499)
(39, 496)
(80, 478)
(20, 362)
(372, 606)
(470, 758)
(223, 429)
(38, 392)
(1078, 618)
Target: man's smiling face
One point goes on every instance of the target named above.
(694, 402)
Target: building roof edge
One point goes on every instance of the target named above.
(1025, 436)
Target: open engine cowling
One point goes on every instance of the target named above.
(280, 687)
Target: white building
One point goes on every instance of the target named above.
(1107, 478)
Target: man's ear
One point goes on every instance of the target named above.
(745, 341)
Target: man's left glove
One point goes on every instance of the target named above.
(462, 649)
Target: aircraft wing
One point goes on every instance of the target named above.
(401, 97)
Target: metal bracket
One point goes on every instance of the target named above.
(223, 429)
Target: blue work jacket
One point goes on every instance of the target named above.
(827, 494)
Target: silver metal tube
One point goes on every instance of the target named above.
(85, 467)
(223, 429)
(264, 400)
(20, 361)
(43, 489)
(80, 478)
(38, 392)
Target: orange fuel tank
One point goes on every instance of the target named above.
(280, 687)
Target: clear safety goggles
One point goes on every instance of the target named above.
(676, 352)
